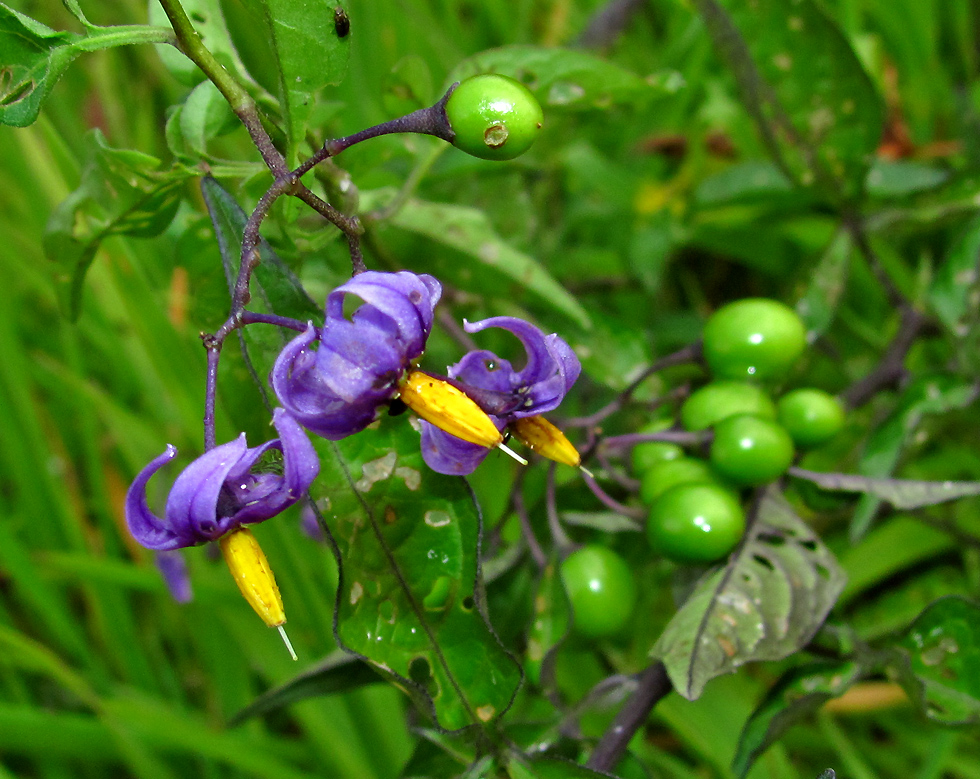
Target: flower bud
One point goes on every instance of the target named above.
(449, 409)
(539, 435)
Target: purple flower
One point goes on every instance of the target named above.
(550, 371)
(336, 388)
(173, 569)
(219, 492)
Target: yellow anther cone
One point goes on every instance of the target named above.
(539, 435)
(449, 409)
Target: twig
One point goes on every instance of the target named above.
(891, 367)
(562, 542)
(610, 502)
(537, 553)
(654, 685)
(688, 354)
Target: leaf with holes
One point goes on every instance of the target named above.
(817, 110)
(766, 603)
(410, 599)
(941, 665)
(33, 57)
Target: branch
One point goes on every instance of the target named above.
(653, 686)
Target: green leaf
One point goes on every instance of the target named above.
(746, 182)
(956, 281)
(897, 545)
(818, 305)
(549, 768)
(798, 693)
(567, 78)
(310, 55)
(410, 599)
(35, 57)
(900, 178)
(205, 115)
(121, 193)
(549, 626)
(900, 493)
(469, 231)
(764, 604)
(338, 673)
(209, 23)
(943, 653)
(273, 283)
(815, 107)
(927, 395)
(603, 521)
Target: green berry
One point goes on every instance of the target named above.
(811, 416)
(601, 589)
(493, 117)
(721, 399)
(695, 523)
(664, 475)
(750, 450)
(755, 338)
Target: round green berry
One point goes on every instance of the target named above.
(811, 416)
(695, 523)
(755, 338)
(750, 450)
(646, 455)
(601, 589)
(669, 473)
(493, 117)
(721, 399)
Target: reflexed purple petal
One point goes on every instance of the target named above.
(192, 505)
(406, 299)
(540, 364)
(173, 568)
(309, 523)
(475, 368)
(271, 494)
(336, 387)
(549, 373)
(445, 453)
(150, 530)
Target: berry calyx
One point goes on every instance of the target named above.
(493, 117)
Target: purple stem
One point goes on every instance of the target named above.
(610, 502)
(252, 317)
(688, 354)
(654, 685)
(682, 437)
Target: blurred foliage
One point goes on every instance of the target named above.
(820, 153)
